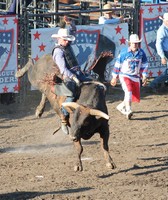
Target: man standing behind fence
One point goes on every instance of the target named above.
(108, 18)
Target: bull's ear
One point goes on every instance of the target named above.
(70, 106)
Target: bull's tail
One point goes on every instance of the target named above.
(22, 71)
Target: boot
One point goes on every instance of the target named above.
(64, 128)
(121, 108)
(129, 112)
(64, 124)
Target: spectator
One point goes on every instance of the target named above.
(162, 50)
(130, 63)
(69, 24)
(108, 16)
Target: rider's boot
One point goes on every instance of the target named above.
(64, 124)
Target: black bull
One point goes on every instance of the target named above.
(88, 115)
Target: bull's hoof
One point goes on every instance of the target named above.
(78, 168)
(38, 113)
(110, 165)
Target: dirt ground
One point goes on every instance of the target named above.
(35, 164)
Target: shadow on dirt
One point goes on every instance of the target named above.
(162, 115)
(31, 195)
(144, 170)
(150, 169)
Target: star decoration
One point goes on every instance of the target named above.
(42, 47)
(15, 21)
(36, 58)
(150, 10)
(159, 72)
(5, 89)
(122, 40)
(160, 9)
(5, 21)
(118, 29)
(150, 74)
(16, 88)
(37, 35)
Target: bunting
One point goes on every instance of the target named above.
(150, 22)
(8, 54)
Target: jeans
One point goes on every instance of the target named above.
(159, 80)
(63, 110)
(71, 85)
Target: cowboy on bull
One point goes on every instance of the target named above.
(70, 72)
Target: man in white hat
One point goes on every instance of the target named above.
(162, 50)
(108, 16)
(130, 65)
(71, 74)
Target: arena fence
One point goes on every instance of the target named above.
(41, 14)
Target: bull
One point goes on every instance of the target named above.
(87, 116)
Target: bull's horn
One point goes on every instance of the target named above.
(96, 83)
(70, 105)
(99, 113)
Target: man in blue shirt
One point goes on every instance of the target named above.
(108, 18)
(162, 50)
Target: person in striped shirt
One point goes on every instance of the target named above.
(131, 65)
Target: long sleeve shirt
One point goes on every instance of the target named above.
(162, 40)
(131, 65)
(59, 59)
(103, 20)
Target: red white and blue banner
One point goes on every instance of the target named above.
(90, 41)
(149, 24)
(8, 54)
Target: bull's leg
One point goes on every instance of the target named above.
(78, 146)
(22, 71)
(104, 137)
(41, 106)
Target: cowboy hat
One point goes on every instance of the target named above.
(107, 6)
(134, 38)
(63, 33)
(165, 16)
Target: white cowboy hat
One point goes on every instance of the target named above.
(134, 38)
(107, 6)
(63, 33)
(165, 16)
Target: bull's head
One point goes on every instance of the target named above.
(83, 120)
